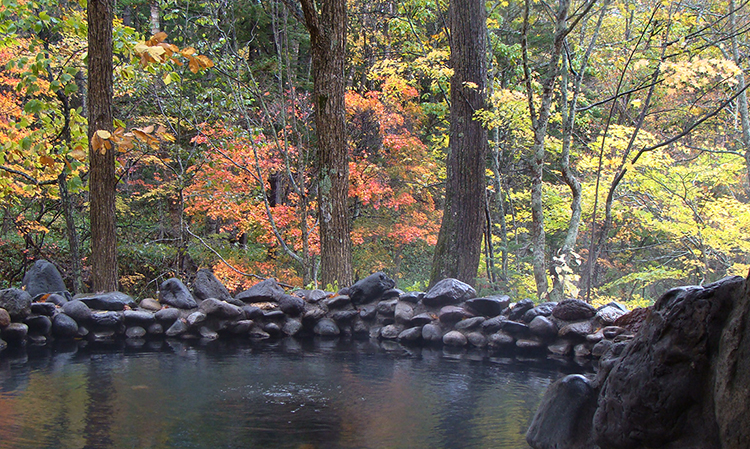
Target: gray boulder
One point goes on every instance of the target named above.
(39, 324)
(16, 302)
(114, 301)
(219, 308)
(43, 277)
(15, 333)
(176, 294)
(267, 290)
(563, 420)
(207, 285)
(63, 326)
(448, 292)
(490, 306)
(665, 388)
(326, 328)
(520, 308)
(573, 310)
(291, 305)
(543, 327)
(138, 317)
(77, 310)
(370, 288)
(455, 338)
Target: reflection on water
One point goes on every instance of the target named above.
(319, 394)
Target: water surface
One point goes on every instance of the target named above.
(320, 394)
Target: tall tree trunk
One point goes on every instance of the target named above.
(460, 238)
(568, 121)
(328, 41)
(102, 180)
(539, 124)
(742, 99)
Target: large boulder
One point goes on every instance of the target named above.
(16, 302)
(207, 285)
(573, 310)
(220, 309)
(448, 292)
(43, 277)
(681, 382)
(370, 288)
(563, 419)
(489, 306)
(176, 294)
(114, 301)
(64, 326)
(291, 305)
(78, 310)
(268, 290)
(660, 392)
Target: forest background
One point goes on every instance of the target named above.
(640, 168)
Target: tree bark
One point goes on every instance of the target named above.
(328, 44)
(102, 179)
(460, 238)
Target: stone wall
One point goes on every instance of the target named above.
(448, 314)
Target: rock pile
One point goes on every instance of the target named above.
(449, 314)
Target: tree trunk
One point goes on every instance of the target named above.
(460, 238)
(328, 41)
(154, 17)
(539, 123)
(102, 180)
(742, 99)
(70, 227)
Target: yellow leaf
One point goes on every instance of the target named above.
(167, 78)
(189, 51)
(193, 65)
(157, 38)
(103, 134)
(205, 61)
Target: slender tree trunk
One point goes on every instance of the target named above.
(568, 118)
(460, 238)
(70, 227)
(328, 44)
(539, 123)
(102, 180)
(742, 99)
(154, 17)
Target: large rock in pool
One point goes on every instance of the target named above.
(64, 326)
(206, 285)
(681, 382)
(268, 290)
(16, 302)
(447, 292)
(660, 393)
(370, 288)
(174, 293)
(43, 277)
(114, 301)
(563, 419)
